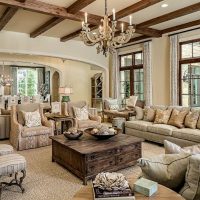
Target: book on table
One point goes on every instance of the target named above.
(126, 194)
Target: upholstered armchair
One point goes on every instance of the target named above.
(93, 121)
(23, 137)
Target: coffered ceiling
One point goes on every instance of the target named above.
(62, 18)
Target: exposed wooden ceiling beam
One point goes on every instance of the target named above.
(79, 5)
(172, 15)
(135, 8)
(181, 26)
(7, 16)
(142, 37)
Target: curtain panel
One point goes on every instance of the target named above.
(40, 72)
(115, 77)
(174, 52)
(147, 73)
(14, 77)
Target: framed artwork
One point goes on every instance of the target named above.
(56, 107)
(47, 81)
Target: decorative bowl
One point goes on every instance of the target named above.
(102, 135)
(73, 134)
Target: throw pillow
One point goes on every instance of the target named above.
(131, 101)
(139, 113)
(32, 119)
(191, 188)
(162, 116)
(171, 148)
(198, 123)
(149, 114)
(81, 113)
(177, 118)
(191, 119)
(114, 107)
(165, 169)
(111, 103)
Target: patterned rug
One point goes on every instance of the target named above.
(49, 181)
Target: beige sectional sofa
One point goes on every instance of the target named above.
(160, 132)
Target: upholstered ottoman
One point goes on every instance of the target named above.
(5, 149)
(12, 164)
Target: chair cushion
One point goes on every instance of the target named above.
(34, 131)
(191, 189)
(187, 134)
(78, 104)
(138, 125)
(87, 124)
(162, 129)
(81, 113)
(11, 163)
(5, 149)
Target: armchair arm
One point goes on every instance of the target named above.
(95, 118)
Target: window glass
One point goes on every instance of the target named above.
(138, 58)
(196, 49)
(126, 61)
(186, 50)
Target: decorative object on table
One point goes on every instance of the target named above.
(105, 38)
(102, 132)
(145, 187)
(56, 107)
(5, 80)
(111, 186)
(65, 92)
(73, 134)
(119, 122)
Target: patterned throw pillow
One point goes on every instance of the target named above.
(162, 116)
(191, 119)
(81, 113)
(114, 107)
(149, 114)
(177, 118)
(32, 119)
(131, 101)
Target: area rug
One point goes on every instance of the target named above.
(49, 181)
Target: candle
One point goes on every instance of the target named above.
(82, 24)
(130, 19)
(86, 16)
(113, 14)
(122, 27)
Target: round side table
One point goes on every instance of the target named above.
(163, 193)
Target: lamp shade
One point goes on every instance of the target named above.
(65, 90)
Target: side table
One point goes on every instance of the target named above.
(63, 120)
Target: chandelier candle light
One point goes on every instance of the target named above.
(107, 37)
(5, 80)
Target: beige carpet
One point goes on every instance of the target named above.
(49, 181)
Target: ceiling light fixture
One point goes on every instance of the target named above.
(107, 37)
(164, 5)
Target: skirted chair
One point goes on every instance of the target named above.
(92, 121)
(23, 137)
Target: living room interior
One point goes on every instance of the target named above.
(99, 99)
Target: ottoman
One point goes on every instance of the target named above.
(12, 164)
(5, 149)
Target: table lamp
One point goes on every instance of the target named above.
(65, 91)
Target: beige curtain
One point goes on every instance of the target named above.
(14, 77)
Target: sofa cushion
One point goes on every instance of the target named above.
(162, 116)
(165, 169)
(139, 113)
(171, 148)
(191, 189)
(191, 119)
(187, 134)
(177, 118)
(87, 124)
(138, 125)
(34, 131)
(162, 129)
(149, 114)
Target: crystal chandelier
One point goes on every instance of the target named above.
(5, 80)
(106, 37)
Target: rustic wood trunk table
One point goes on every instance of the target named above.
(163, 193)
(88, 156)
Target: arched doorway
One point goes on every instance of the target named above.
(55, 86)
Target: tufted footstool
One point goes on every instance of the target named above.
(5, 149)
(12, 164)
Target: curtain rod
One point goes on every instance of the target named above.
(184, 31)
(133, 44)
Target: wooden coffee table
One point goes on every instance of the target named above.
(163, 193)
(88, 156)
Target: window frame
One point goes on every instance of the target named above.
(131, 69)
(185, 61)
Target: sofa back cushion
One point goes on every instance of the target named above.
(139, 113)
(191, 188)
(177, 118)
(191, 119)
(162, 116)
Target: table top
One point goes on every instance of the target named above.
(163, 193)
(59, 117)
(88, 144)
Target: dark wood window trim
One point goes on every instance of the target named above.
(185, 61)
